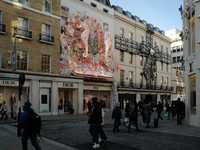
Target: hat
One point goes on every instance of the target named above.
(94, 99)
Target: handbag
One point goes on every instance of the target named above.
(166, 115)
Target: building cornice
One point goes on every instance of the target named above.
(31, 9)
(93, 8)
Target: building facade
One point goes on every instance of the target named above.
(190, 17)
(30, 43)
(143, 55)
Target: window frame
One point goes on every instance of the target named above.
(45, 27)
(121, 56)
(121, 33)
(23, 28)
(43, 4)
(130, 58)
(131, 36)
(23, 3)
(45, 64)
(27, 53)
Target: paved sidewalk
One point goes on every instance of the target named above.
(10, 141)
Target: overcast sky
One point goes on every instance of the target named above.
(163, 14)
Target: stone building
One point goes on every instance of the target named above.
(36, 26)
(143, 55)
(190, 16)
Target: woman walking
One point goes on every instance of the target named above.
(116, 115)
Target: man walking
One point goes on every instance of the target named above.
(4, 110)
(159, 110)
(95, 120)
(179, 107)
(24, 125)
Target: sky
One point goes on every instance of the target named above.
(163, 14)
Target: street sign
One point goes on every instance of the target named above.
(14, 55)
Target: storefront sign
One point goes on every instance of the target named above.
(96, 87)
(6, 82)
(68, 84)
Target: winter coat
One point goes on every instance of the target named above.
(14, 109)
(23, 123)
(116, 115)
(96, 116)
(133, 112)
(147, 113)
(159, 108)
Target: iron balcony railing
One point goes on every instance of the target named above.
(46, 38)
(121, 84)
(2, 28)
(23, 33)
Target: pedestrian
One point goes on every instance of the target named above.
(142, 112)
(147, 113)
(116, 115)
(4, 110)
(102, 134)
(95, 119)
(159, 110)
(14, 110)
(179, 107)
(83, 104)
(127, 112)
(24, 125)
(167, 109)
(89, 106)
(70, 106)
(133, 114)
(173, 110)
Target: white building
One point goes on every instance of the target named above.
(191, 25)
(178, 73)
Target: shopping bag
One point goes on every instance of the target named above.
(166, 115)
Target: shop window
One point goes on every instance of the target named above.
(25, 2)
(22, 60)
(46, 63)
(46, 5)
(121, 56)
(192, 90)
(130, 58)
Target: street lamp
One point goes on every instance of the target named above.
(21, 83)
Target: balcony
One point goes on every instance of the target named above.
(2, 29)
(143, 86)
(44, 38)
(23, 33)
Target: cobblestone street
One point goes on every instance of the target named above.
(74, 132)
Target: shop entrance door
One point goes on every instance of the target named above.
(65, 96)
(44, 100)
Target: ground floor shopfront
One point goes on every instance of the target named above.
(45, 91)
(125, 96)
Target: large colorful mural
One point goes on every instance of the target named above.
(86, 49)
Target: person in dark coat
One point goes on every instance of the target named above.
(95, 119)
(133, 114)
(167, 110)
(173, 110)
(147, 113)
(127, 111)
(116, 115)
(142, 112)
(179, 108)
(89, 106)
(159, 110)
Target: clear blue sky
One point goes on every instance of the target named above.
(163, 14)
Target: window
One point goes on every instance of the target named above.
(130, 77)
(22, 23)
(105, 10)
(167, 81)
(46, 63)
(193, 32)
(166, 67)
(178, 59)
(121, 56)
(130, 36)
(141, 39)
(167, 50)
(94, 5)
(192, 90)
(161, 81)
(121, 77)
(22, 60)
(25, 2)
(0, 56)
(141, 61)
(46, 29)
(64, 13)
(130, 58)
(161, 48)
(161, 67)
(174, 59)
(178, 49)
(46, 5)
(121, 32)
(0, 20)
(105, 26)
(141, 78)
